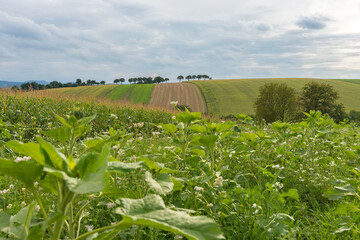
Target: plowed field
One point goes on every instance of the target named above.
(185, 93)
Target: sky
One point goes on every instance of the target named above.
(62, 40)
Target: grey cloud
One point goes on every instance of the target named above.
(312, 23)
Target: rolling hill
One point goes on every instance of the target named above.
(215, 97)
(224, 97)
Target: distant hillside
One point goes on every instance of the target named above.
(4, 84)
(224, 97)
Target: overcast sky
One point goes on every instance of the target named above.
(92, 39)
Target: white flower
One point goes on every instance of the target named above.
(23, 204)
(116, 147)
(37, 208)
(278, 185)
(11, 186)
(155, 133)
(209, 205)
(36, 184)
(110, 205)
(9, 206)
(174, 103)
(173, 117)
(91, 196)
(113, 116)
(218, 182)
(5, 191)
(89, 227)
(22, 159)
(199, 189)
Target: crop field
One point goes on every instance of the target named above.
(224, 97)
(74, 169)
(184, 93)
(140, 93)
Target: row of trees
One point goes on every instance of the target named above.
(193, 77)
(55, 84)
(279, 102)
(142, 80)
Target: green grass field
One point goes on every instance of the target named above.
(140, 93)
(224, 97)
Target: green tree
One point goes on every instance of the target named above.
(276, 102)
(180, 78)
(78, 81)
(116, 81)
(122, 80)
(322, 97)
(102, 82)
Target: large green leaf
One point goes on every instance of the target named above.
(339, 192)
(161, 185)
(123, 167)
(25, 172)
(28, 149)
(4, 221)
(53, 156)
(61, 134)
(151, 211)
(92, 171)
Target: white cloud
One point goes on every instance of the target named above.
(109, 39)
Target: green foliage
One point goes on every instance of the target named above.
(322, 97)
(276, 102)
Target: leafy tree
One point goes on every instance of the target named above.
(322, 97)
(180, 78)
(116, 81)
(276, 102)
(188, 77)
(102, 82)
(78, 81)
(122, 80)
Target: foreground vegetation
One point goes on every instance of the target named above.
(282, 180)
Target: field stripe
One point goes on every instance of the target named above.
(185, 93)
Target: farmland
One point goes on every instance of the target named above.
(282, 180)
(215, 97)
(224, 97)
(132, 93)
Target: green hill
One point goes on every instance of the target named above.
(140, 93)
(224, 97)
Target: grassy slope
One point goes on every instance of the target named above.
(135, 93)
(224, 97)
(141, 93)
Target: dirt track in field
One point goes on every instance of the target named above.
(185, 93)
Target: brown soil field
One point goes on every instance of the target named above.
(185, 93)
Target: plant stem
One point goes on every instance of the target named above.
(120, 225)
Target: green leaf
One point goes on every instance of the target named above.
(293, 193)
(61, 134)
(25, 172)
(123, 167)
(178, 186)
(161, 185)
(339, 192)
(197, 128)
(4, 222)
(30, 149)
(86, 120)
(208, 140)
(187, 117)
(92, 171)
(171, 128)
(57, 159)
(151, 211)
